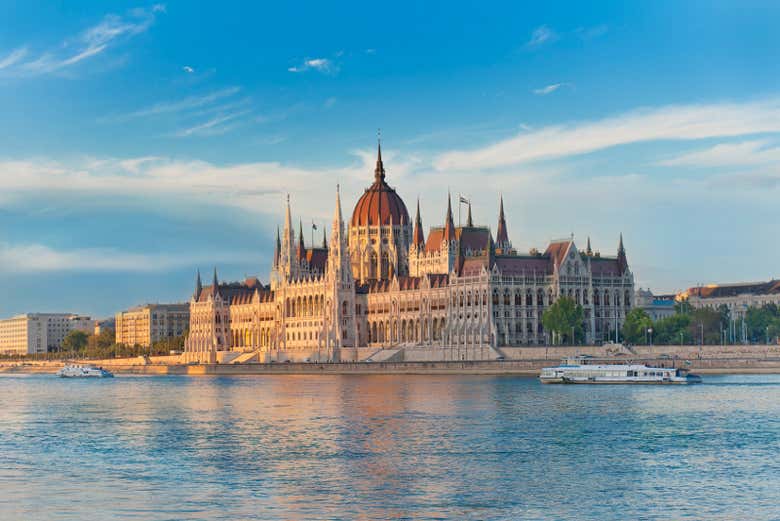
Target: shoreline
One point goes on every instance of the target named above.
(473, 367)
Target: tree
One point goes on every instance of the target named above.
(673, 330)
(75, 340)
(636, 325)
(562, 317)
(683, 307)
(707, 322)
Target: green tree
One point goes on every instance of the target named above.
(563, 317)
(75, 340)
(683, 307)
(636, 325)
(673, 330)
(705, 326)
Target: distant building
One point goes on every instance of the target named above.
(108, 324)
(34, 333)
(737, 297)
(656, 306)
(144, 325)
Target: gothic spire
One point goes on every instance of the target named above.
(588, 249)
(417, 236)
(198, 286)
(502, 237)
(301, 245)
(215, 283)
(469, 221)
(379, 171)
(621, 256)
(449, 226)
(324, 238)
(278, 247)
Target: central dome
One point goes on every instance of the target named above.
(379, 205)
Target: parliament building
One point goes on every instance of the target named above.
(380, 282)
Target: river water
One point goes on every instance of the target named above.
(386, 447)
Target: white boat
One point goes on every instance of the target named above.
(83, 371)
(576, 372)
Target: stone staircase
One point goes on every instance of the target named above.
(387, 355)
(243, 358)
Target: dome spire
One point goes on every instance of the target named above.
(379, 171)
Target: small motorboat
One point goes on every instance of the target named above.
(83, 371)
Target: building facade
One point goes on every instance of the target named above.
(35, 333)
(737, 297)
(382, 283)
(144, 325)
(657, 307)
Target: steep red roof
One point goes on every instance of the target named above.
(435, 238)
(604, 266)
(523, 265)
(557, 251)
(317, 258)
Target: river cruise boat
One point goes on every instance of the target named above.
(576, 372)
(83, 371)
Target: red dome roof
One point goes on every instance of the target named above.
(379, 204)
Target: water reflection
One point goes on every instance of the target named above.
(386, 447)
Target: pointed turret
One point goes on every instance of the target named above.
(277, 248)
(324, 238)
(621, 256)
(301, 246)
(449, 225)
(418, 238)
(469, 221)
(198, 286)
(588, 250)
(502, 237)
(215, 283)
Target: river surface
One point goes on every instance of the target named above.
(386, 447)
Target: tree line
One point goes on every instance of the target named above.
(565, 321)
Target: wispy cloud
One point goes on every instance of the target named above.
(323, 65)
(13, 57)
(548, 89)
(188, 69)
(541, 35)
(91, 42)
(589, 33)
(187, 103)
(745, 153)
(215, 126)
(676, 122)
(37, 258)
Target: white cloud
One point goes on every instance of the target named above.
(676, 122)
(540, 36)
(322, 65)
(214, 126)
(548, 89)
(91, 42)
(190, 102)
(188, 69)
(757, 152)
(36, 258)
(13, 57)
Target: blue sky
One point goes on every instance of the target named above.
(140, 141)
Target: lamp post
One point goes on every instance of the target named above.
(650, 330)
